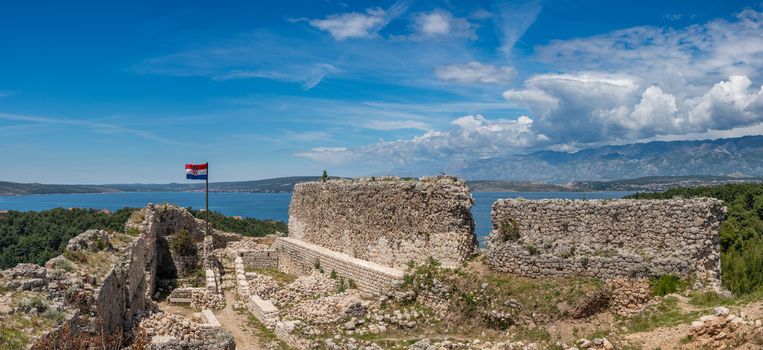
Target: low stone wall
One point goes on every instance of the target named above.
(257, 259)
(210, 319)
(299, 257)
(607, 238)
(284, 331)
(263, 310)
(386, 220)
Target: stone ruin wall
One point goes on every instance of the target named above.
(124, 294)
(299, 258)
(386, 220)
(607, 238)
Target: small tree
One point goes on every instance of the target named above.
(325, 175)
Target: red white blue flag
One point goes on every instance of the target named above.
(196, 171)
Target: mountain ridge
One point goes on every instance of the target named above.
(741, 156)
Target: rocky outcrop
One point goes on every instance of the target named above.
(386, 220)
(607, 238)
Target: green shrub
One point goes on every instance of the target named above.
(182, 244)
(243, 226)
(38, 236)
(341, 286)
(333, 274)
(133, 231)
(667, 284)
(509, 230)
(741, 233)
(532, 249)
(742, 270)
(351, 284)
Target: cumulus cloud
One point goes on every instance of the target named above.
(359, 25)
(679, 81)
(474, 72)
(441, 23)
(592, 108)
(701, 53)
(473, 136)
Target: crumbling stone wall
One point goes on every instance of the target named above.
(386, 220)
(607, 238)
(123, 294)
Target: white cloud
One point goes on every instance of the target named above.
(689, 80)
(309, 77)
(352, 25)
(513, 19)
(395, 125)
(474, 136)
(359, 25)
(474, 72)
(595, 107)
(697, 54)
(441, 24)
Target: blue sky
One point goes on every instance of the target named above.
(106, 92)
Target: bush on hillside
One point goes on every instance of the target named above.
(741, 234)
(38, 236)
(244, 226)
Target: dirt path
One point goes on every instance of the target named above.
(237, 325)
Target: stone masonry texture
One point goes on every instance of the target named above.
(607, 238)
(386, 220)
(299, 257)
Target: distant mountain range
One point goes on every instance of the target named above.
(281, 184)
(653, 166)
(734, 157)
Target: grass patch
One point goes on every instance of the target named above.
(280, 277)
(77, 256)
(265, 334)
(534, 334)
(666, 313)
(12, 338)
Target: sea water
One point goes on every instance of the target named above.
(273, 206)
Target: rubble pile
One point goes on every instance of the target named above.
(90, 240)
(724, 330)
(309, 286)
(628, 297)
(202, 299)
(248, 243)
(329, 309)
(262, 285)
(595, 343)
(25, 277)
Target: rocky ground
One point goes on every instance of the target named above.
(475, 308)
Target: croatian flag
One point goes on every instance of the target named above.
(196, 171)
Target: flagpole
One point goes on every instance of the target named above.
(206, 233)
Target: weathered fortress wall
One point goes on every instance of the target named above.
(607, 238)
(386, 220)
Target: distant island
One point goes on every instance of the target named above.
(286, 184)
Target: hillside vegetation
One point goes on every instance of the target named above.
(244, 226)
(38, 236)
(741, 233)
